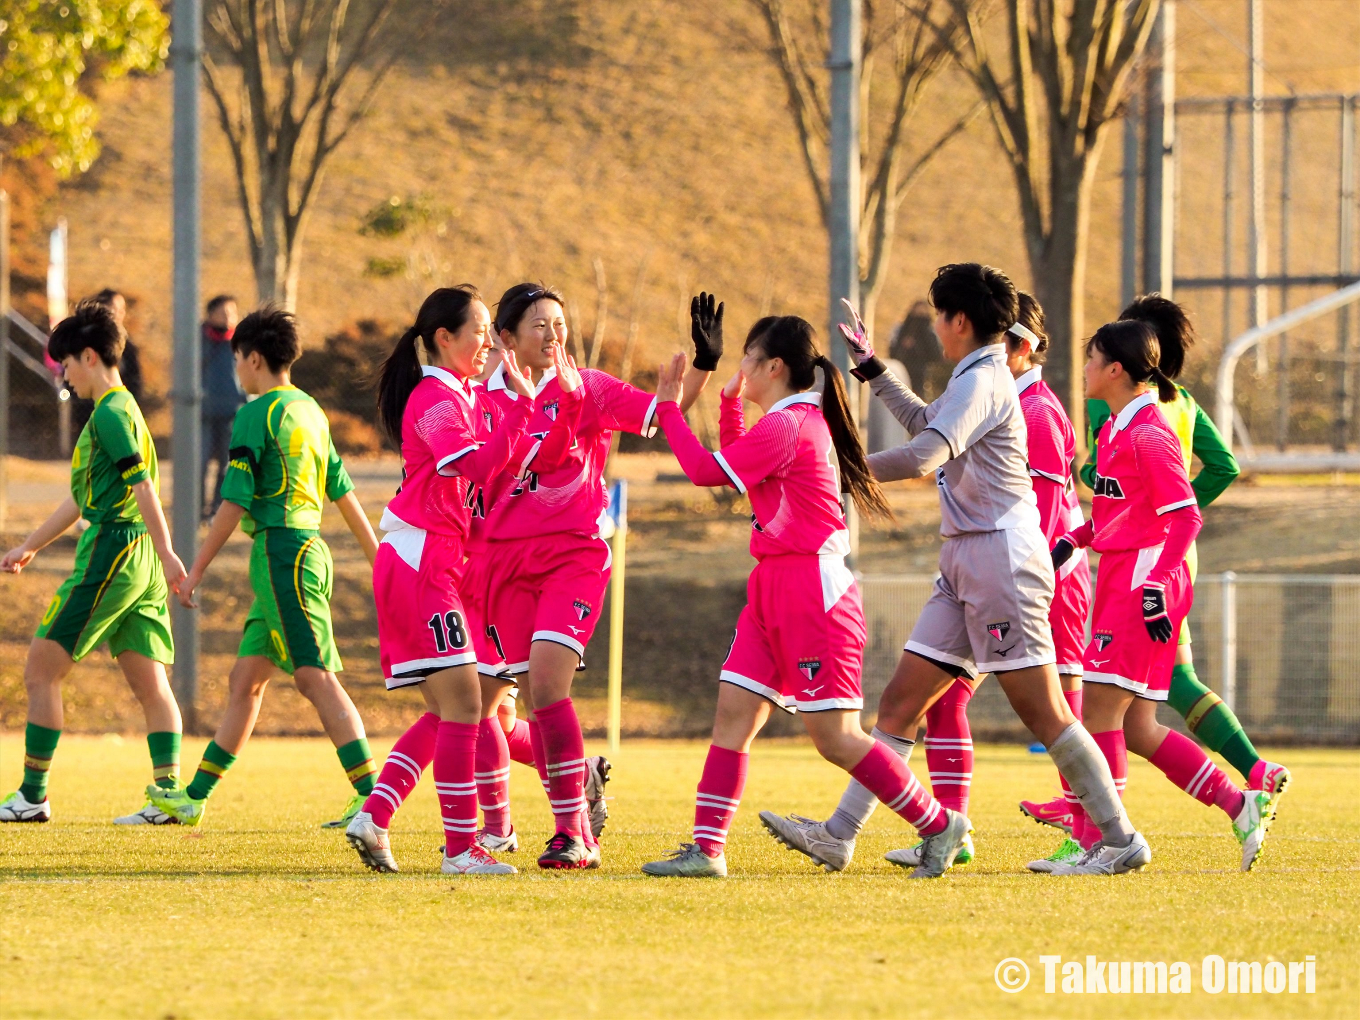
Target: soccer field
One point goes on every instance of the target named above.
(259, 913)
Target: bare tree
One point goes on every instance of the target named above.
(1063, 74)
(295, 59)
(918, 47)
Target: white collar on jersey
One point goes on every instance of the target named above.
(496, 382)
(1121, 421)
(1029, 378)
(990, 351)
(463, 388)
(544, 379)
(808, 397)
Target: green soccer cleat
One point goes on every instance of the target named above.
(1252, 824)
(688, 861)
(177, 804)
(911, 857)
(352, 807)
(1068, 853)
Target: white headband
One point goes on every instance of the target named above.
(1024, 332)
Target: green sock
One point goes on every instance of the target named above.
(40, 744)
(357, 761)
(164, 748)
(210, 770)
(1211, 720)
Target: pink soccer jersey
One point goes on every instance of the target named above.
(1140, 477)
(1051, 446)
(570, 497)
(449, 450)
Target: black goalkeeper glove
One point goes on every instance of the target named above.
(705, 329)
(1156, 621)
(1062, 552)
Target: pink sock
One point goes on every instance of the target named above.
(1073, 699)
(949, 747)
(716, 801)
(1082, 830)
(1184, 763)
(493, 777)
(1111, 744)
(564, 754)
(887, 777)
(407, 761)
(521, 745)
(455, 753)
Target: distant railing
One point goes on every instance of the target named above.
(1283, 650)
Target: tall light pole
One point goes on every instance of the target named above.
(846, 61)
(186, 54)
(1159, 212)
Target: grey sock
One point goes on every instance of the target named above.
(857, 803)
(1082, 764)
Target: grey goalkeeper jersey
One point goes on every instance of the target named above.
(984, 481)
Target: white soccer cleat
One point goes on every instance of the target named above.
(1109, 860)
(938, 852)
(371, 843)
(911, 856)
(688, 861)
(1252, 824)
(810, 838)
(1069, 852)
(494, 844)
(149, 815)
(476, 861)
(597, 774)
(16, 808)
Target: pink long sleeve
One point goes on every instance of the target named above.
(1181, 528)
(1050, 496)
(699, 464)
(1083, 536)
(731, 420)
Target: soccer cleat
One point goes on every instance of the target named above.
(149, 815)
(810, 837)
(938, 852)
(494, 844)
(1270, 778)
(593, 856)
(16, 808)
(1056, 812)
(371, 843)
(352, 807)
(597, 774)
(476, 861)
(1252, 825)
(565, 853)
(688, 861)
(1109, 860)
(911, 857)
(1068, 853)
(177, 803)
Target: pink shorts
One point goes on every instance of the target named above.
(1121, 651)
(545, 588)
(800, 639)
(422, 625)
(1067, 617)
(490, 657)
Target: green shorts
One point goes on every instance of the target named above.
(117, 593)
(289, 622)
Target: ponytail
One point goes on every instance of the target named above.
(854, 466)
(446, 308)
(1166, 389)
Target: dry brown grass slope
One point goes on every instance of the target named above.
(619, 129)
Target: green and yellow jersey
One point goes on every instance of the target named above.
(114, 453)
(283, 463)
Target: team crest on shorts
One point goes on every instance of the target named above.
(999, 630)
(582, 609)
(809, 667)
(550, 409)
(1103, 639)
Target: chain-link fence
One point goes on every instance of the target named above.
(1283, 650)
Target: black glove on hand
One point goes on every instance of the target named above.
(1156, 621)
(705, 329)
(1062, 552)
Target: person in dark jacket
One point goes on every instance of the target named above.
(222, 394)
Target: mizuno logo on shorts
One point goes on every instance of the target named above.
(1108, 487)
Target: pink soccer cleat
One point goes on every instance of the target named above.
(1055, 812)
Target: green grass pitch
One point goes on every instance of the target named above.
(259, 913)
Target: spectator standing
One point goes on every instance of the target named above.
(222, 393)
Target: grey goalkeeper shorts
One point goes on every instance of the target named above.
(989, 610)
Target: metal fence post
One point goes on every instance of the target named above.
(1228, 646)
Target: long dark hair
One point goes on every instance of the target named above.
(1032, 318)
(1133, 343)
(1175, 334)
(794, 341)
(516, 302)
(448, 307)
